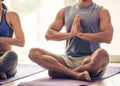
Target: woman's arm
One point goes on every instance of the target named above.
(14, 22)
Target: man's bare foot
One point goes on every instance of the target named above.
(3, 76)
(83, 76)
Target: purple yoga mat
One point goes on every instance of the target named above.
(23, 70)
(47, 81)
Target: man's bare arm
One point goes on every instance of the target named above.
(53, 32)
(106, 33)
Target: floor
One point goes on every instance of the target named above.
(112, 81)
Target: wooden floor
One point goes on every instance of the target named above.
(112, 81)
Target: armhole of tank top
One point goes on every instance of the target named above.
(99, 11)
(69, 8)
(65, 14)
(66, 11)
(10, 29)
(6, 20)
(100, 8)
(2, 17)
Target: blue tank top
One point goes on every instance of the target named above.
(5, 30)
(89, 18)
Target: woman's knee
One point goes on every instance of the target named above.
(8, 61)
(10, 54)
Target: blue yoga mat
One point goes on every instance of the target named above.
(47, 81)
(24, 70)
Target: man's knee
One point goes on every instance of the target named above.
(100, 57)
(33, 53)
(103, 53)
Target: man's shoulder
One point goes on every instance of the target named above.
(104, 11)
(72, 5)
(69, 7)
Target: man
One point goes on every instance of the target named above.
(87, 25)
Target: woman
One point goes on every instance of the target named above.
(9, 25)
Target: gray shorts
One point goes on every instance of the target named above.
(73, 62)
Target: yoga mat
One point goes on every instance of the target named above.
(23, 70)
(47, 81)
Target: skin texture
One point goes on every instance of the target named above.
(13, 21)
(91, 65)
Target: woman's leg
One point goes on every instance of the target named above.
(12, 71)
(8, 62)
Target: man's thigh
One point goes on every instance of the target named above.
(47, 53)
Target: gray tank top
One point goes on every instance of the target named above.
(89, 18)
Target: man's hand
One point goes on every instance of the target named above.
(76, 27)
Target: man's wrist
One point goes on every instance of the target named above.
(80, 34)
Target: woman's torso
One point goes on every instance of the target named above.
(5, 22)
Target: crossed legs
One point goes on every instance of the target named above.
(95, 64)
(91, 66)
(56, 64)
(8, 63)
